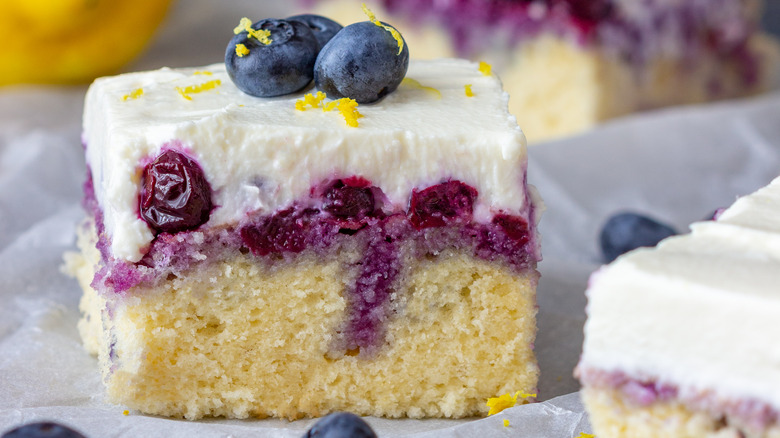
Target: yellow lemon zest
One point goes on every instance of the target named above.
(485, 68)
(135, 94)
(202, 72)
(261, 35)
(194, 89)
(498, 404)
(413, 83)
(241, 50)
(397, 35)
(348, 109)
(311, 100)
(506, 422)
(125, 412)
(585, 435)
(469, 93)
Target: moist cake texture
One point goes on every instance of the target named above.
(678, 340)
(387, 269)
(569, 64)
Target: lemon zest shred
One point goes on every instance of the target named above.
(311, 100)
(202, 72)
(262, 35)
(241, 50)
(135, 94)
(506, 422)
(469, 93)
(125, 412)
(397, 35)
(194, 89)
(414, 83)
(485, 68)
(585, 435)
(498, 404)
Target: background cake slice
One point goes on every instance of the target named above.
(680, 339)
(387, 269)
(569, 64)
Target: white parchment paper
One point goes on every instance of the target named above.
(677, 165)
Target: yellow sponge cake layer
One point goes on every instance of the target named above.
(237, 339)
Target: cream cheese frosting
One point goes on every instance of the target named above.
(699, 311)
(261, 154)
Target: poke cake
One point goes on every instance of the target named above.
(591, 60)
(678, 340)
(294, 255)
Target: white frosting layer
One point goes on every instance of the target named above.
(700, 311)
(262, 154)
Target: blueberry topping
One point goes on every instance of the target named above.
(340, 425)
(437, 205)
(627, 231)
(284, 65)
(361, 62)
(323, 28)
(42, 430)
(175, 195)
(348, 201)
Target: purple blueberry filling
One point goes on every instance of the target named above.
(339, 213)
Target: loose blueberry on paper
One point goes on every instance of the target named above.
(627, 231)
(42, 430)
(340, 425)
(175, 194)
(284, 65)
(361, 62)
(323, 28)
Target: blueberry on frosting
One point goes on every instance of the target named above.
(323, 28)
(271, 57)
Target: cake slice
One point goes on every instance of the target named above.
(386, 269)
(569, 64)
(679, 339)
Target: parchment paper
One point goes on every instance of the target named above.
(677, 165)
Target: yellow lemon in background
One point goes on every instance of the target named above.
(73, 41)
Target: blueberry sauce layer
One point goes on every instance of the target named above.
(341, 215)
(645, 392)
(635, 30)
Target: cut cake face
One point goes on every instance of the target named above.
(386, 269)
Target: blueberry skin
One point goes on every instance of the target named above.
(282, 67)
(624, 232)
(340, 425)
(361, 62)
(323, 28)
(42, 430)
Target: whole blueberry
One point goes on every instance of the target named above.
(361, 62)
(323, 28)
(340, 425)
(283, 66)
(624, 232)
(175, 195)
(42, 430)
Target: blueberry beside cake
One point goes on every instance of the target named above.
(295, 255)
(679, 338)
(569, 64)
